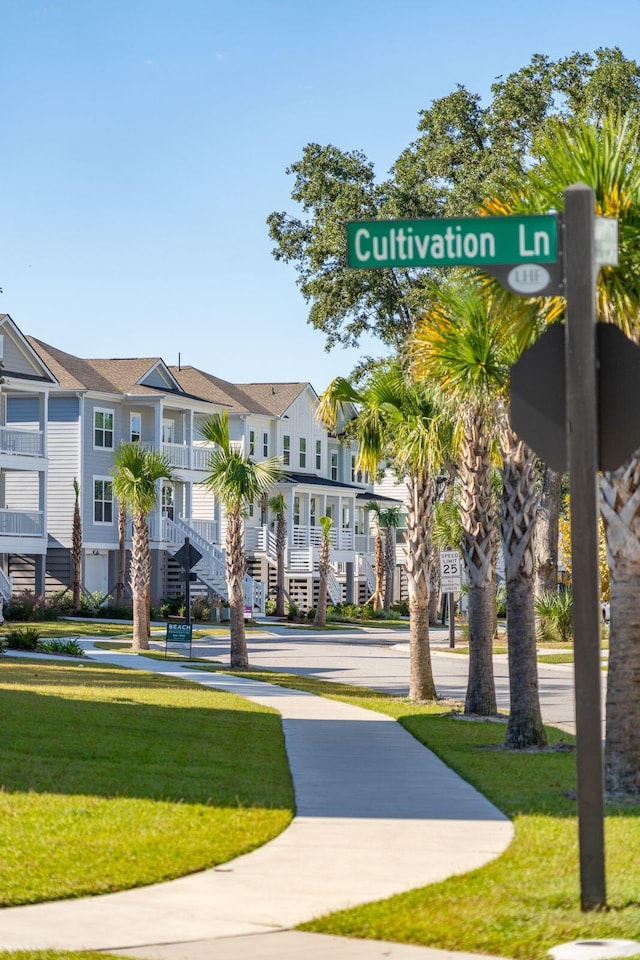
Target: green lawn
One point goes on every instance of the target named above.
(69, 628)
(113, 778)
(527, 900)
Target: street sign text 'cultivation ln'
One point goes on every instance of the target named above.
(449, 243)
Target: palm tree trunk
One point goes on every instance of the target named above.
(281, 545)
(235, 576)
(76, 555)
(620, 507)
(481, 691)
(140, 576)
(434, 589)
(379, 568)
(122, 552)
(546, 533)
(320, 618)
(477, 515)
(389, 566)
(519, 507)
(420, 503)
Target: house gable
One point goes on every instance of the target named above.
(19, 359)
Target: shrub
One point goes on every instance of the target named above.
(117, 613)
(270, 606)
(200, 609)
(553, 617)
(401, 608)
(3, 645)
(170, 606)
(70, 648)
(62, 601)
(501, 600)
(29, 606)
(311, 613)
(367, 611)
(293, 612)
(26, 638)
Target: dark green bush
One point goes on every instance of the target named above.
(28, 606)
(70, 648)
(25, 638)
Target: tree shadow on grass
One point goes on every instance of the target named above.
(117, 745)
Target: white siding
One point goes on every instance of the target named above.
(301, 422)
(64, 465)
(21, 490)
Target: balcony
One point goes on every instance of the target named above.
(25, 443)
(21, 523)
(186, 457)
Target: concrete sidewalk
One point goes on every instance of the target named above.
(377, 814)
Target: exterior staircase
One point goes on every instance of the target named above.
(211, 569)
(5, 587)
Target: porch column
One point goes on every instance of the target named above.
(40, 578)
(42, 500)
(187, 501)
(350, 583)
(290, 516)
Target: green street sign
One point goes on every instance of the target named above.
(468, 241)
(179, 633)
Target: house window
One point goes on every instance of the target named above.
(102, 500)
(286, 450)
(135, 427)
(360, 528)
(252, 443)
(168, 431)
(312, 512)
(353, 468)
(303, 452)
(334, 466)
(265, 444)
(318, 454)
(168, 501)
(296, 511)
(103, 428)
(251, 509)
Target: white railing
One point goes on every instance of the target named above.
(29, 443)
(300, 560)
(212, 568)
(183, 456)
(334, 587)
(5, 586)
(365, 569)
(21, 523)
(340, 538)
(207, 529)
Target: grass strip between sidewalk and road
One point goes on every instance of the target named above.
(113, 778)
(527, 900)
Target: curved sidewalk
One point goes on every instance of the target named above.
(377, 814)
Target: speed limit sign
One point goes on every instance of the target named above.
(450, 571)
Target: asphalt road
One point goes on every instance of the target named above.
(379, 658)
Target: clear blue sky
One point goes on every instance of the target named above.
(144, 143)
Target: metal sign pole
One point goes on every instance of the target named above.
(582, 442)
(452, 620)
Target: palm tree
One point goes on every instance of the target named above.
(379, 562)
(238, 481)
(122, 551)
(466, 343)
(605, 158)
(76, 546)
(391, 519)
(277, 505)
(399, 419)
(136, 472)
(320, 618)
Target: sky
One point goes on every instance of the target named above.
(145, 142)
